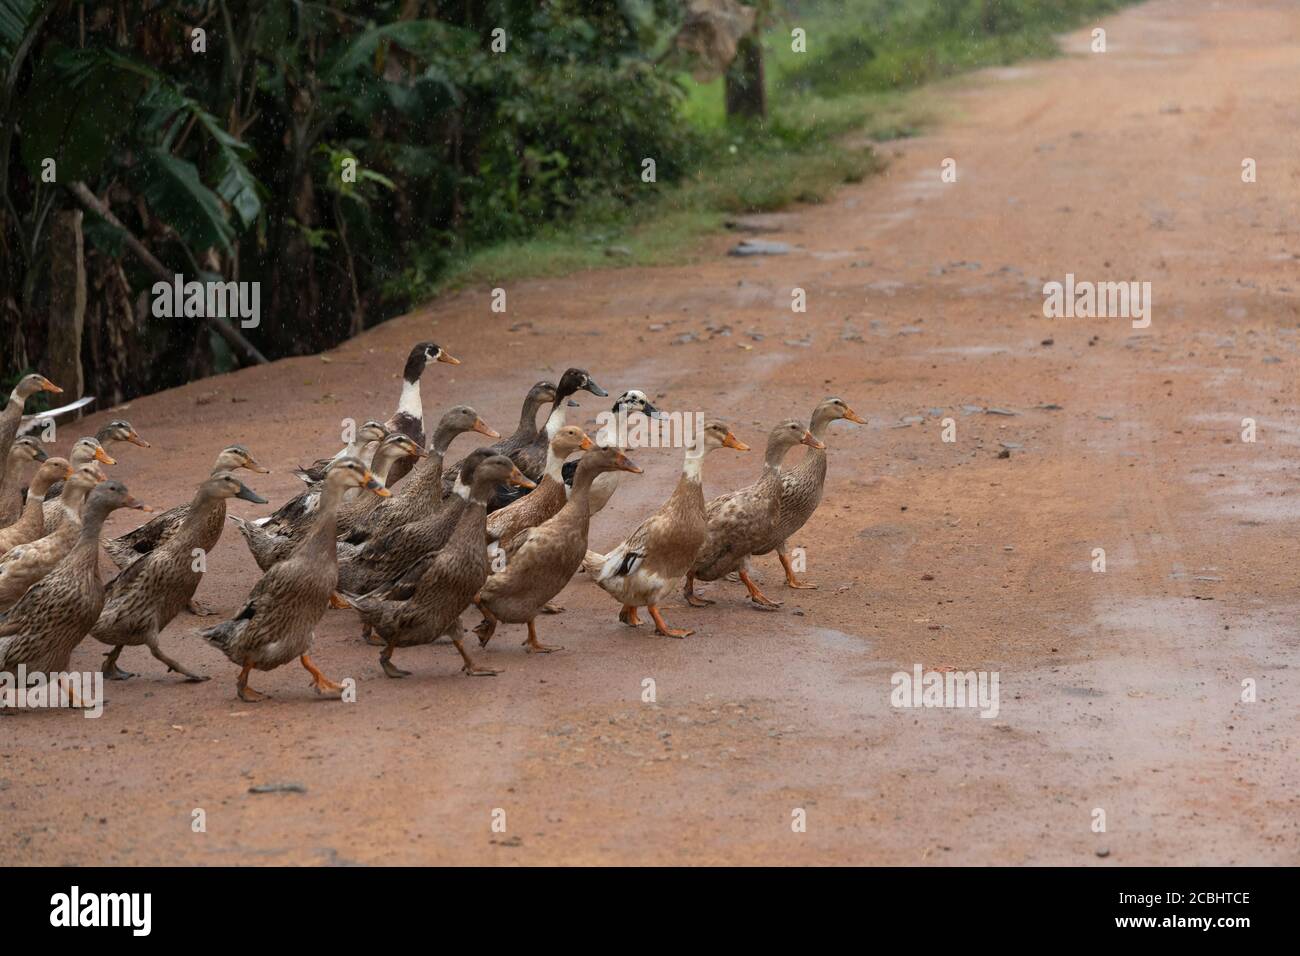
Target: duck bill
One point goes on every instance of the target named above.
(105, 457)
(448, 358)
(853, 416)
(41, 454)
(810, 441)
(135, 504)
(48, 386)
(99, 474)
(135, 439)
(248, 494)
(625, 463)
(68, 472)
(651, 412)
(587, 443)
(418, 452)
(595, 389)
(731, 441)
(482, 428)
(252, 465)
(376, 486)
(518, 479)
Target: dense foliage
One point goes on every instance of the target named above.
(338, 153)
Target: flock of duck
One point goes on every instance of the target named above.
(503, 530)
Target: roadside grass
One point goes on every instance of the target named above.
(862, 80)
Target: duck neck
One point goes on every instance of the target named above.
(326, 526)
(556, 420)
(693, 466)
(772, 458)
(410, 402)
(579, 502)
(383, 461)
(92, 523)
(73, 497)
(554, 465)
(528, 417)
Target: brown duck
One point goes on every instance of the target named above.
(277, 623)
(22, 452)
(143, 599)
(801, 486)
(648, 566)
(427, 601)
(31, 523)
(742, 520)
(541, 394)
(55, 615)
(11, 418)
(540, 560)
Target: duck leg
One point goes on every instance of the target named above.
(693, 599)
(151, 641)
(338, 601)
(370, 637)
(319, 682)
(110, 668)
(629, 616)
(471, 668)
(661, 626)
(246, 693)
(757, 596)
(790, 580)
(386, 662)
(486, 627)
(534, 645)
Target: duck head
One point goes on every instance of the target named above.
(237, 456)
(225, 485)
(349, 472)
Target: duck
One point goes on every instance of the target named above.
(11, 418)
(649, 564)
(742, 520)
(427, 600)
(117, 432)
(287, 524)
(24, 565)
(548, 498)
(540, 560)
(363, 446)
(31, 524)
(422, 494)
(41, 631)
(531, 458)
(84, 451)
(543, 393)
(277, 622)
(409, 417)
(22, 452)
(143, 599)
(126, 548)
(801, 486)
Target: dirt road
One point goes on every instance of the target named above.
(1119, 691)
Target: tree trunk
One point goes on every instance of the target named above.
(746, 88)
(67, 301)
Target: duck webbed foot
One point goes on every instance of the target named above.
(486, 627)
(173, 666)
(550, 607)
(757, 596)
(386, 662)
(338, 601)
(319, 682)
(370, 637)
(693, 599)
(790, 580)
(470, 667)
(535, 646)
(199, 609)
(110, 668)
(629, 616)
(661, 626)
(246, 693)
